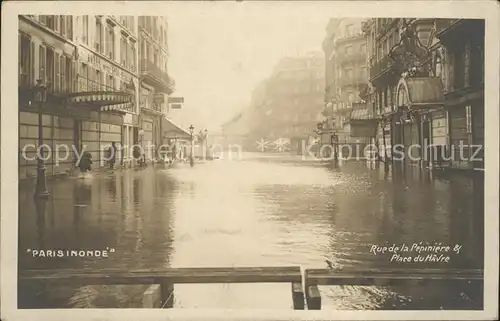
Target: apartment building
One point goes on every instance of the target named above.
(156, 85)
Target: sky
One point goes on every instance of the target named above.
(220, 51)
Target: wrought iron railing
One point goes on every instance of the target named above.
(87, 85)
(148, 67)
(352, 81)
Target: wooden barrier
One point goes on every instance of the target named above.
(413, 277)
(160, 292)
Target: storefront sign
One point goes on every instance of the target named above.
(103, 65)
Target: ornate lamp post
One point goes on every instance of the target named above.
(205, 137)
(191, 159)
(41, 183)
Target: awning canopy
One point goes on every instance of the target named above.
(420, 92)
(99, 98)
(171, 130)
(362, 122)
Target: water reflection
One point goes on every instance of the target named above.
(253, 212)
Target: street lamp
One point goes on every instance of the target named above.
(40, 98)
(206, 142)
(191, 160)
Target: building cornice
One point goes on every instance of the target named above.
(47, 30)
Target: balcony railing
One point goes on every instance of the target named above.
(87, 85)
(162, 78)
(378, 67)
(352, 81)
(344, 57)
(444, 24)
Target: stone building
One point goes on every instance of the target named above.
(90, 91)
(346, 79)
(426, 80)
(290, 103)
(155, 83)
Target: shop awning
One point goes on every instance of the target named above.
(420, 92)
(362, 122)
(171, 130)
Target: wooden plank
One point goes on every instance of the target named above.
(151, 298)
(313, 297)
(180, 275)
(297, 296)
(389, 277)
(167, 295)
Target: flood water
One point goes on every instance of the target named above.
(260, 210)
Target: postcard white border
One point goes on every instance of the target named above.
(488, 10)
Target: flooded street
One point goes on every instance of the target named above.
(261, 210)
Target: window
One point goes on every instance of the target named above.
(57, 72)
(69, 27)
(134, 55)
(98, 79)
(362, 48)
(111, 82)
(25, 61)
(62, 24)
(438, 66)
(348, 50)
(110, 42)
(349, 73)
(363, 73)
(51, 22)
(85, 27)
(41, 62)
(98, 36)
(84, 78)
(123, 51)
(468, 119)
(43, 19)
(349, 30)
(67, 74)
(50, 69)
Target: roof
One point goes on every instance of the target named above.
(172, 130)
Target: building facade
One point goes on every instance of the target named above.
(346, 79)
(156, 84)
(96, 88)
(289, 104)
(90, 94)
(423, 94)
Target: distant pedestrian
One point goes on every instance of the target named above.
(112, 155)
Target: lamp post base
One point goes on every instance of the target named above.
(41, 184)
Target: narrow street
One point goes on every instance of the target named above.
(261, 210)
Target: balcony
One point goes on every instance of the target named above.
(349, 37)
(351, 81)
(356, 56)
(156, 77)
(382, 67)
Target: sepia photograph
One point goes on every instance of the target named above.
(222, 157)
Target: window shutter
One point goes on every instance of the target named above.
(62, 63)
(57, 71)
(74, 77)
(32, 63)
(41, 63)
